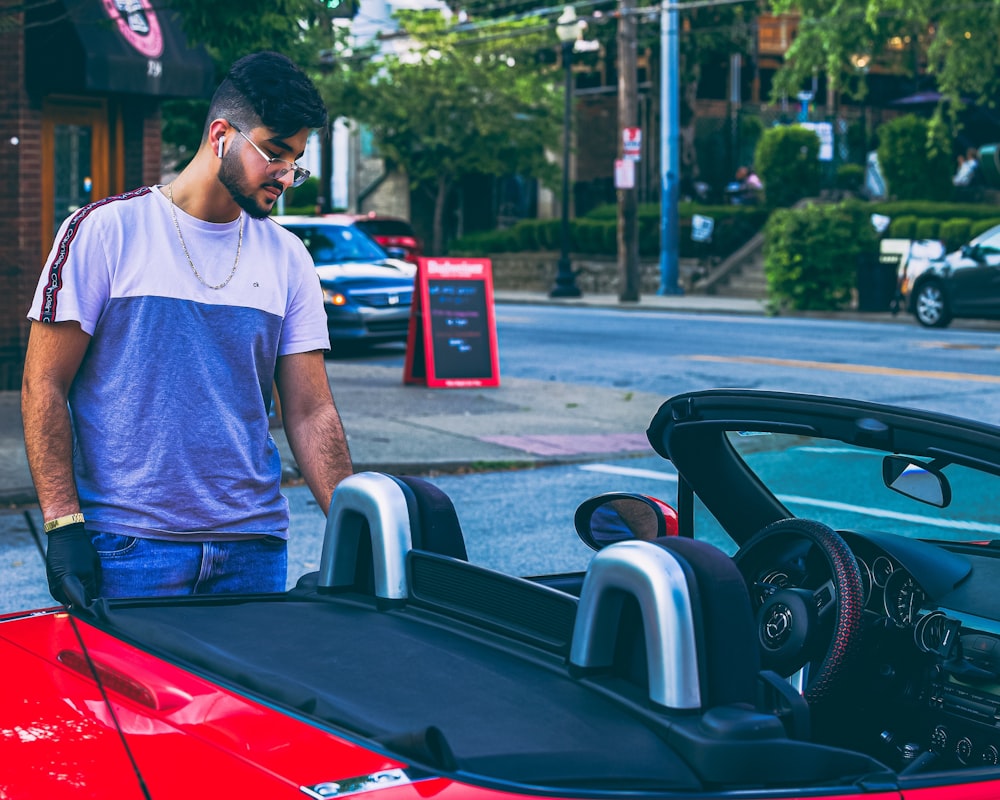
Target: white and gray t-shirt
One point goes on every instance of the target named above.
(170, 405)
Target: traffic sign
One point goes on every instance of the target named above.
(632, 143)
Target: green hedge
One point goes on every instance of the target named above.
(912, 167)
(811, 255)
(981, 226)
(787, 161)
(597, 233)
(955, 232)
(929, 208)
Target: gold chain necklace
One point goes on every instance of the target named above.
(194, 269)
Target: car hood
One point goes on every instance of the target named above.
(695, 432)
(363, 269)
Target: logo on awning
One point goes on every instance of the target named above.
(137, 23)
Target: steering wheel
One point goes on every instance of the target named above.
(806, 589)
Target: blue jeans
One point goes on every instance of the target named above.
(132, 567)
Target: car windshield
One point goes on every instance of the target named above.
(336, 244)
(989, 241)
(843, 485)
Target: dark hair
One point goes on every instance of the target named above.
(268, 89)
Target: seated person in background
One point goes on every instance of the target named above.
(968, 164)
(746, 188)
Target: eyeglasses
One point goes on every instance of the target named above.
(277, 168)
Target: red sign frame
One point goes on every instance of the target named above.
(451, 342)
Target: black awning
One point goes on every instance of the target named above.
(112, 46)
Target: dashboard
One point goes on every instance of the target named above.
(940, 606)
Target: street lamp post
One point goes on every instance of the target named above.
(862, 63)
(568, 29)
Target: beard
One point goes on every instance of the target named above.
(232, 176)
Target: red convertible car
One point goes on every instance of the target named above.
(816, 615)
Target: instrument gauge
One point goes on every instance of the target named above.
(866, 581)
(768, 583)
(903, 598)
(881, 570)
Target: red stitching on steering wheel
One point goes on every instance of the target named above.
(847, 579)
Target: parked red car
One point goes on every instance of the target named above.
(396, 235)
(818, 619)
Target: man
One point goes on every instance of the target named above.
(160, 321)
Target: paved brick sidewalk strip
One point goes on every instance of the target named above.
(573, 444)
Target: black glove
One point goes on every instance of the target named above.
(71, 554)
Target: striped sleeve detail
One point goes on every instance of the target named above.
(54, 281)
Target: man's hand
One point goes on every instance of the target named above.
(70, 553)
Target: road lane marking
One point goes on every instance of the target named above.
(956, 346)
(861, 369)
(629, 472)
(832, 505)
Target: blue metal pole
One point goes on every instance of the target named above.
(670, 156)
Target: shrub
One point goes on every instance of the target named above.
(904, 227)
(955, 232)
(787, 160)
(297, 211)
(527, 234)
(927, 229)
(928, 208)
(649, 234)
(981, 226)
(597, 232)
(849, 177)
(594, 236)
(484, 243)
(811, 255)
(550, 234)
(916, 164)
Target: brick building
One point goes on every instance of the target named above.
(81, 83)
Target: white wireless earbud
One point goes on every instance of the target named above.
(221, 141)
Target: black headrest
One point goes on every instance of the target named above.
(727, 629)
(434, 524)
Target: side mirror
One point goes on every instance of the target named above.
(396, 252)
(916, 480)
(619, 516)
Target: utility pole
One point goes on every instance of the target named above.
(628, 221)
(325, 198)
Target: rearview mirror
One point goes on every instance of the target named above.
(619, 516)
(916, 480)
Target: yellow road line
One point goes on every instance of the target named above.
(861, 369)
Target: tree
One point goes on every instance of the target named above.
(957, 43)
(912, 170)
(445, 107)
(787, 158)
(229, 29)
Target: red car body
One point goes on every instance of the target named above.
(395, 235)
(402, 669)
